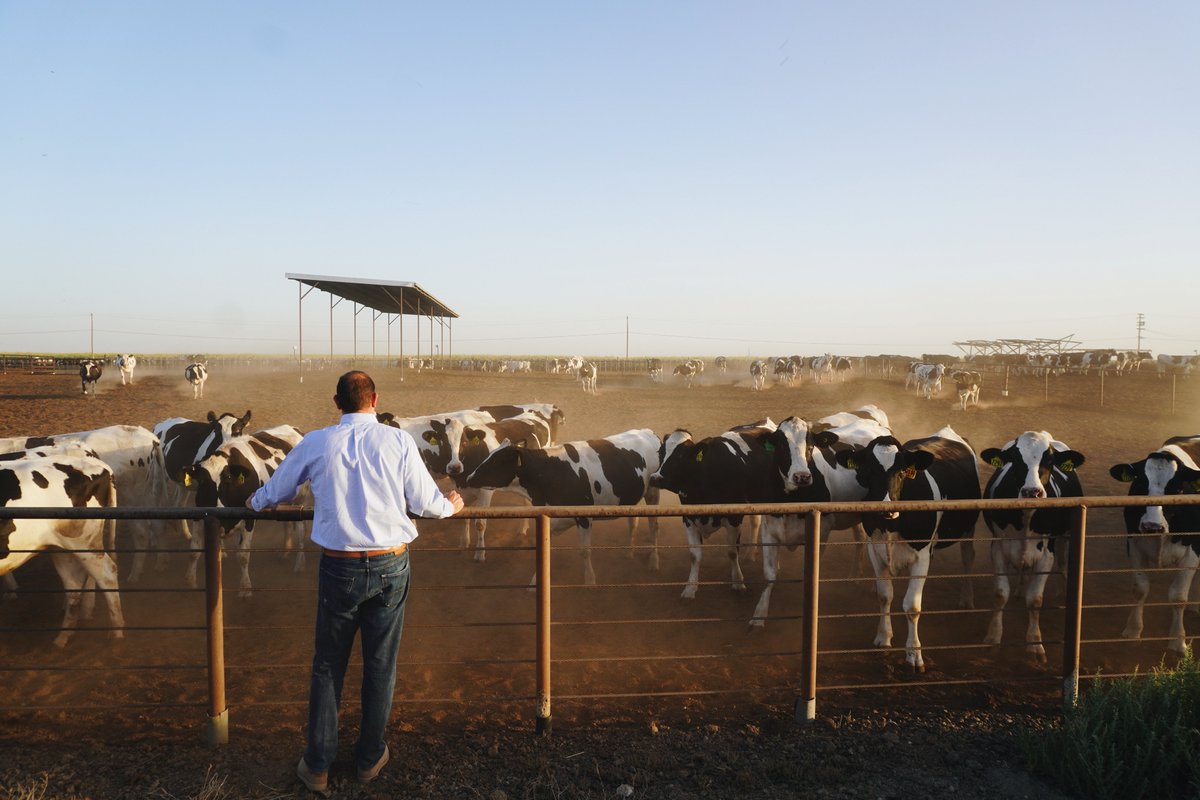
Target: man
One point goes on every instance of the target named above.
(365, 478)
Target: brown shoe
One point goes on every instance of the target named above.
(368, 775)
(315, 781)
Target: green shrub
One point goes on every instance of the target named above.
(1128, 738)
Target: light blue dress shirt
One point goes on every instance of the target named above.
(365, 478)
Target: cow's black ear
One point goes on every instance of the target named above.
(848, 459)
(1125, 473)
(212, 416)
(1191, 480)
(920, 459)
(993, 456)
(825, 439)
(1069, 460)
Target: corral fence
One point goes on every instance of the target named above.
(805, 696)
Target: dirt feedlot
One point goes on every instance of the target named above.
(467, 679)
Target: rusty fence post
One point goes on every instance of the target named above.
(543, 625)
(1073, 631)
(218, 712)
(806, 705)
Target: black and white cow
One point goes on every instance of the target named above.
(927, 378)
(196, 374)
(938, 467)
(587, 377)
(614, 470)
(1163, 536)
(552, 414)
(135, 457)
(870, 412)
(803, 458)
(822, 368)
(787, 372)
(90, 371)
(229, 476)
(654, 369)
(126, 364)
(1031, 466)
(967, 383)
(842, 367)
(80, 549)
(758, 374)
(686, 371)
(1176, 365)
(733, 467)
(722, 364)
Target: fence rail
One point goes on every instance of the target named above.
(805, 703)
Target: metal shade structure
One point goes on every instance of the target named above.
(390, 299)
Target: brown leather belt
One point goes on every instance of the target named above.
(364, 553)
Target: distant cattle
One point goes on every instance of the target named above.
(126, 364)
(722, 364)
(927, 378)
(1031, 466)
(758, 376)
(80, 549)
(516, 366)
(1163, 537)
(686, 371)
(842, 367)
(966, 384)
(938, 467)
(822, 368)
(90, 371)
(588, 373)
(614, 470)
(196, 374)
(1176, 365)
(654, 369)
(787, 372)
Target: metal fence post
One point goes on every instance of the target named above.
(1073, 630)
(808, 652)
(218, 712)
(543, 625)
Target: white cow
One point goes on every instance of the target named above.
(587, 376)
(126, 363)
(196, 374)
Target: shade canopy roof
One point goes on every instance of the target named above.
(389, 297)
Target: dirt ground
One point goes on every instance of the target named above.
(672, 698)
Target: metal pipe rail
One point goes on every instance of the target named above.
(805, 708)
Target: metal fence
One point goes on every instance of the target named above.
(811, 583)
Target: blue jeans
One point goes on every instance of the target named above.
(355, 594)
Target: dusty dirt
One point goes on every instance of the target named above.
(717, 721)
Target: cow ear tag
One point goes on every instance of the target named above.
(431, 438)
(700, 456)
(187, 479)
(241, 478)
(909, 473)
(769, 447)
(997, 462)
(1127, 477)
(518, 460)
(1067, 466)
(852, 463)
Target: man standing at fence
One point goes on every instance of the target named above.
(366, 478)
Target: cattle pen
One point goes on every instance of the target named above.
(801, 658)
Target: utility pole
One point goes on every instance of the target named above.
(1141, 325)
(92, 334)
(627, 338)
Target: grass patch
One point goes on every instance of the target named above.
(1128, 738)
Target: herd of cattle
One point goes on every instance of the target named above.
(847, 456)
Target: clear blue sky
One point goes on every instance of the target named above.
(734, 178)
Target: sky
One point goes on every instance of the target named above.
(658, 178)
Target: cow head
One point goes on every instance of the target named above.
(227, 426)
(1031, 458)
(1162, 472)
(677, 457)
(793, 453)
(500, 468)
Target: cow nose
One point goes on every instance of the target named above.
(454, 469)
(802, 478)
(1153, 527)
(656, 481)
(1033, 493)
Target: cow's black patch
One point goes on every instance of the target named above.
(40, 480)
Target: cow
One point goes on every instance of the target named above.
(722, 364)
(842, 367)
(1100, 360)
(614, 470)
(81, 548)
(803, 460)
(697, 364)
(758, 374)
(196, 374)
(686, 371)
(1033, 465)
(552, 414)
(1163, 536)
(587, 377)
(822, 368)
(229, 476)
(870, 412)
(786, 371)
(126, 364)
(1176, 365)
(516, 366)
(90, 371)
(135, 456)
(966, 384)
(654, 369)
(926, 377)
(938, 467)
(733, 467)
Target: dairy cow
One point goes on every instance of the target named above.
(758, 374)
(938, 467)
(90, 371)
(822, 368)
(196, 374)
(1031, 466)
(1176, 365)
(722, 364)
(686, 371)
(126, 364)
(787, 371)
(966, 384)
(587, 377)
(842, 367)
(80, 550)
(229, 476)
(614, 470)
(654, 369)
(1163, 536)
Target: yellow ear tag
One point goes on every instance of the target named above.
(997, 462)
(241, 479)
(187, 479)
(852, 463)
(518, 460)
(431, 438)
(1067, 466)
(1126, 477)
(700, 456)
(909, 473)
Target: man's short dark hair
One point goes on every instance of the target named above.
(354, 390)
